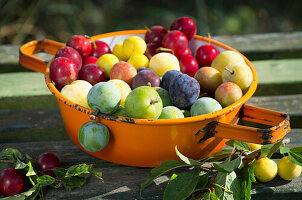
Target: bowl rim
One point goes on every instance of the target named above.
(153, 122)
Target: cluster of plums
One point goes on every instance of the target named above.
(13, 181)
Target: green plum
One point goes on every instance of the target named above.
(105, 97)
(171, 112)
(120, 112)
(143, 103)
(164, 95)
(93, 136)
(204, 105)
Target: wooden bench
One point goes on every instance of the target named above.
(30, 120)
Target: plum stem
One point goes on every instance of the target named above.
(154, 101)
(149, 84)
(209, 36)
(148, 29)
(93, 42)
(130, 56)
(164, 49)
(232, 72)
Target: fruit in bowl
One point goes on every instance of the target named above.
(104, 97)
(143, 103)
(171, 112)
(77, 92)
(123, 71)
(123, 87)
(162, 62)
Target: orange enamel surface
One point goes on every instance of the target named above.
(147, 143)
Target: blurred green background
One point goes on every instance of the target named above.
(25, 20)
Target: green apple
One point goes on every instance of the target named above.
(171, 112)
(143, 103)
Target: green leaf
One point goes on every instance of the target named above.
(165, 167)
(59, 172)
(10, 154)
(219, 155)
(181, 186)
(246, 177)
(269, 149)
(228, 166)
(29, 194)
(31, 171)
(20, 165)
(45, 180)
(187, 160)
(202, 181)
(213, 196)
(284, 150)
(239, 145)
(226, 185)
(73, 182)
(78, 170)
(295, 155)
(97, 174)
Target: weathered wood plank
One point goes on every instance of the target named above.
(266, 46)
(19, 123)
(122, 182)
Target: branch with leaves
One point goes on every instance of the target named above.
(226, 175)
(70, 178)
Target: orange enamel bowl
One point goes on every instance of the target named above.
(146, 142)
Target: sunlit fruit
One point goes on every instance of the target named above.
(92, 73)
(155, 34)
(77, 92)
(118, 51)
(47, 162)
(254, 147)
(225, 58)
(188, 65)
(185, 25)
(106, 61)
(242, 75)
(205, 55)
(144, 103)
(123, 87)
(209, 79)
(171, 112)
(12, 182)
(81, 44)
(146, 77)
(152, 49)
(204, 105)
(265, 169)
(288, 170)
(134, 45)
(99, 48)
(63, 72)
(228, 93)
(168, 77)
(138, 61)
(93, 136)
(123, 71)
(162, 62)
(184, 91)
(105, 97)
(89, 60)
(164, 95)
(72, 54)
(176, 41)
